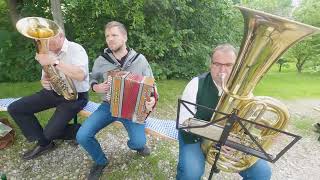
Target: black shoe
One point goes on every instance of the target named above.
(316, 127)
(96, 171)
(145, 151)
(37, 151)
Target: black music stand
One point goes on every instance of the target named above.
(231, 119)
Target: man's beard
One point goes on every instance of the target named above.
(117, 49)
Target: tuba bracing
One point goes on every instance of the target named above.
(266, 38)
(41, 30)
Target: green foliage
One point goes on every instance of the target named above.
(307, 52)
(175, 36)
(276, 7)
(17, 52)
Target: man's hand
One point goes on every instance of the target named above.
(45, 83)
(150, 104)
(45, 59)
(101, 88)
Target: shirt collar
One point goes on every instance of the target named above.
(65, 46)
(218, 87)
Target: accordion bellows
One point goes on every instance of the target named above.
(128, 94)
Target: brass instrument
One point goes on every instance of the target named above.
(41, 30)
(266, 38)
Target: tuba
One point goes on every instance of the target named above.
(266, 38)
(41, 30)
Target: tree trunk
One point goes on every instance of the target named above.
(300, 63)
(57, 13)
(280, 66)
(14, 15)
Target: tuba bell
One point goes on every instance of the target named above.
(266, 38)
(41, 30)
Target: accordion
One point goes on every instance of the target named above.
(127, 95)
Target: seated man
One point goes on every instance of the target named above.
(70, 59)
(116, 56)
(206, 90)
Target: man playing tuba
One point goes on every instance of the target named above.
(70, 59)
(206, 90)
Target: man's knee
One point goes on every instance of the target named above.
(82, 135)
(13, 108)
(189, 172)
(260, 170)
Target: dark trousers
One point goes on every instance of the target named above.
(23, 112)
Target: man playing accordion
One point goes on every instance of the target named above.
(116, 56)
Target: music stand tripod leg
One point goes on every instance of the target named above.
(214, 168)
(224, 136)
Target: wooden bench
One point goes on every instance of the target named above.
(155, 127)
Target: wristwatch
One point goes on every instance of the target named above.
(56, 62)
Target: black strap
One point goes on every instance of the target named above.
(135, 57)
(108, 58)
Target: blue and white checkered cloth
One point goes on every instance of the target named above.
(163, 127)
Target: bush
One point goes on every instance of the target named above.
(175, 36)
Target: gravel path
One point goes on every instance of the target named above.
(302, 161)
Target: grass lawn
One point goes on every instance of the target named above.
(284, 85)
(290, 85)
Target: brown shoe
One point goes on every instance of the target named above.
(37, 151)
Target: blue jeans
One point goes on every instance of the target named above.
(100, 119)
(192, 161)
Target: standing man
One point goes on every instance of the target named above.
(116, 56)
(70, 59)
(206, 90)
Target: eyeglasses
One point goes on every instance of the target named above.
(220, 64)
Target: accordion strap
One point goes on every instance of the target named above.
(155, 95)
(110, 60)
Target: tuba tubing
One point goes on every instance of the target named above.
(266, 38)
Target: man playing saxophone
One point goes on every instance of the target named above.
(70, 59)
(206, 90)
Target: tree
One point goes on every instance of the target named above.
(14, 15)
(308, 51)
(281, 62)
(57, 13)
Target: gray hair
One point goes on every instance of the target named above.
(225, 48)
(116, 24)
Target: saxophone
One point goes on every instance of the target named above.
(266, 38)
(41, 30)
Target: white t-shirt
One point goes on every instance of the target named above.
(190, 94)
